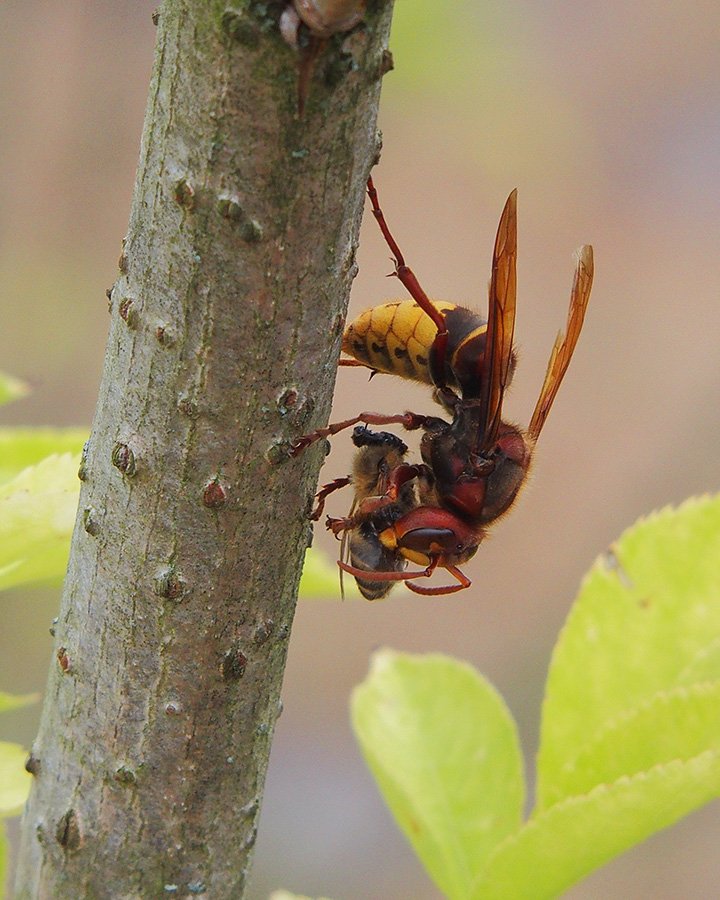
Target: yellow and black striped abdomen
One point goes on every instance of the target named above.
(397, 337)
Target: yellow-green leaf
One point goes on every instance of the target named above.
(320, 577)
(23, 447)
(566, 842)
(673, 725)
(647, 619)
(444, 751)
(37, 515)
(14, 780)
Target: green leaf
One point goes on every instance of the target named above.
(320, 577)
(11, 388)
(22, 447)
(37, 514)
(14, 780)
(630, 733)
(561, 845)
(16, 701)
(444, 751)
(647, 619)
(704, 666)
(673, 725)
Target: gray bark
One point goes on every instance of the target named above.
(225, 327)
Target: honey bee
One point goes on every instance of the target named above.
(379, 454)
(477, 462)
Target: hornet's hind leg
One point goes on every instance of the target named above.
(409, 279)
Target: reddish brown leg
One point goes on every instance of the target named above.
(324, 492)
(388, 576)
(408, 420)
(409, 279)
(449, 589)
(409, 577)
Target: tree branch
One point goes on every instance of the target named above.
(226, 322)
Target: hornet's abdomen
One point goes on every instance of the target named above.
(397, 337)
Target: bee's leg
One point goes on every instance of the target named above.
(339, 525)
(409, 279)
(324, 491)
(403, 473)
(408, 420)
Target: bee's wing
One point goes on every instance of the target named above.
(565, 343)
(496, 370)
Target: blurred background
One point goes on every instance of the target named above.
(605, 117)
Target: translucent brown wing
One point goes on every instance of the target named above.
(565, 343)
(496, 368)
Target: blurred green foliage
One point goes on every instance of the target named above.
(456, 63)
(38, 497)
(37, 514)
(23, 447)
(11, 388)
(14, 780)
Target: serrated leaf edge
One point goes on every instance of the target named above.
(626, 717)
(536, 820)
